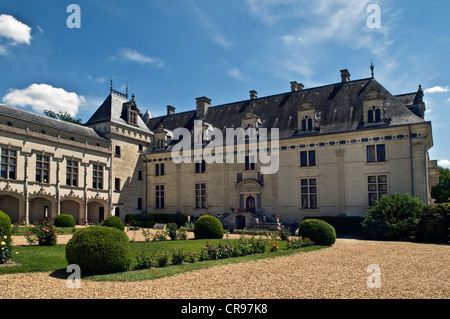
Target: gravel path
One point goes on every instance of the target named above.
(407, 270)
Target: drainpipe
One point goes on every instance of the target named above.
(413, 190)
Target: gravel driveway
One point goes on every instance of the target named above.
(407, 270)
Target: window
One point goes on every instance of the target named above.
(8, 164)
(376, 153)
(117, 153)
(42, 169)
(250, 163)
(132, 117)
(97, 176)
(117, 184)
(141, 148)
(72, 173)
(239, 177)
(159, 170)
(139, 175)
(139, 203)
(309, 193)
(377, 187)
(374, 115)
(159, 196)
(200, 195)
(116, 211)
(307, 158)
(200, 167)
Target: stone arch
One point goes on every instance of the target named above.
(73, 206)
(12, 204)
(97, 211)
(41, 206)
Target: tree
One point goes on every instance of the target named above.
(64, 116)
(441, 192)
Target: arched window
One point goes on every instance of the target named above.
(310, 124)
(370, 116)
(377, 115)
(303, 125)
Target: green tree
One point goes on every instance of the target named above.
(64, 116)
(441, 192)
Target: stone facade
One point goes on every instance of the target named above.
(340, 147)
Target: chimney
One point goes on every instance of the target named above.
(203, 103)
(345, 76)
(253, 95)
(296, 86)
(170, 109)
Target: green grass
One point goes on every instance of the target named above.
(52, 259)
(21, 230)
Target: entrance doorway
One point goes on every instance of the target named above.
(250, 204)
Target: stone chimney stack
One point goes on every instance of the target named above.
(345, 76)
(253, 95)
(170, 110)
(203, 103)
(296, 86)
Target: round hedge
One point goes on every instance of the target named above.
(99, 250)
(64, 220)
(5, 224)
(208, 227)
(319, 231)
(114, 221)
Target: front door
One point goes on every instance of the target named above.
(250, 204)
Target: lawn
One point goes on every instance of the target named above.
(52, 259)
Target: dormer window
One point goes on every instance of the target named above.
(308, 118)
(374, 115)
(374, 109)
(132, 117)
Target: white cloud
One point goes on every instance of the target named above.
(45, 97)
(437, 89)
(15, 30)
(444, 163)
(3, 50)
(132, 55)
(237, 74)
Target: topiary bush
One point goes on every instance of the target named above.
(5, 238)
(64, 220)
(392, 217)
(99, 250)
(208, 227)
(319, 231)
(114, 221)
(434, 223)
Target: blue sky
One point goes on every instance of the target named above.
(168, 52)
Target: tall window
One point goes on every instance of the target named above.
(159, 196)
(376, 153)
(200, 195)
(200, 167)
(250, 163)
(132, 116)
(374, 115)
(309, 193)
(72, 173)
(42, 169)
(307, 158)
(8, 164)
(159, 169)
(307, 124)
(117, 151)
(117, 184)
(377, 187)
(97, 176)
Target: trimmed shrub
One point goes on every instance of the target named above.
(319, 231)
(5, 224)
(5, 238)
(343, 225)
(99, 250)
(434, 223)
(149, 220)
(64, 220)
(114, 221)
(392, 217)
(208, 227)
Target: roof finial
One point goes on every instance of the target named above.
(371, 67)
(111, 87)
(126, 93)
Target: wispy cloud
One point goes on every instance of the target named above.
(131, 55)
(437, 89)
(235, 73)
(43, 96)
(214, 33)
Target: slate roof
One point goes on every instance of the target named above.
(340, 106)
(111, 111)
(46, 121)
